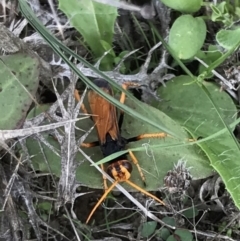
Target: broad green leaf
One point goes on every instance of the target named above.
(155, 163)
(37, 110)
(190, 212)
(170, 221)
(184, 6)
(194, 111)
(228, 38)
(163, 233)
(185, 235)
(93, 20)
(44, 205)
(187, 36)
(148, 229)
(19, 80)
(209, 56)
(181, 235)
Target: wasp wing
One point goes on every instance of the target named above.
(104, 115)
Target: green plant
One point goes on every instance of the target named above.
(184, 6)
(225, 12)
(95, 22)
(209, 56)
(45, 209)
(168, 127)
(180, 235)
(18, 85)
(187, 36)
(213, 123)
(201, 119)
(228, 39)
(148, 229)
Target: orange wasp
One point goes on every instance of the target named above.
(104, 115)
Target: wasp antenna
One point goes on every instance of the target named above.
(144, 192)
(101, 200)
(135, 161)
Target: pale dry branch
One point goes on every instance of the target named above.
(10, 134)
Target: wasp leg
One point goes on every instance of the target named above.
(90, 144)
(122, 100)
(104, 180)
(125, 87)
(135, 161)
(144, 192)
(78, 98)
(152, 135)
(101, 200)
